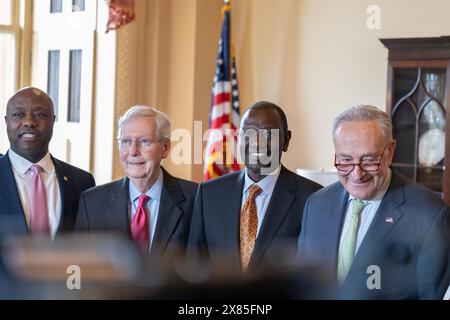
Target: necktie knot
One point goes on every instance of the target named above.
(143, 199)
(254, 191)
(140, 225)
(36, 168)
(358, 206)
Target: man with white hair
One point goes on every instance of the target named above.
(148, 204)
(378, 233)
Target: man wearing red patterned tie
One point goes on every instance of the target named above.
(38, 193)
(148, 204)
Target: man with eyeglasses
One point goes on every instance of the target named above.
(248, 220)
(379, 235)
(149, 205)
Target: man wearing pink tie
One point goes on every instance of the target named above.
(149, 205)
(38, 193)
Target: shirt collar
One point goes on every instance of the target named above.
(22, 165)
(267, 184)
(154, 192)
(380, 194)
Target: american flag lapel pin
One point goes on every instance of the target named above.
(389, 219)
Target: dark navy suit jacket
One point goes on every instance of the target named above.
(72, 181)
(408, 240)
(215, 224)
(105, 208)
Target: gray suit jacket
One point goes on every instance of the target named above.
(409, 240)
(105, 208)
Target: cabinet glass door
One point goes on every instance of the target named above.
(419, 120)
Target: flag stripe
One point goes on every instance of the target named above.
(221, 150)
(220, 98)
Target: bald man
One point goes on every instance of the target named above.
(38, 193)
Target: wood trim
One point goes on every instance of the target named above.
(422, 53)
(17, 41)
(26, 44)
(6, 29)
(418, 48)
(416, 43)
(419, 63)
(446, 187)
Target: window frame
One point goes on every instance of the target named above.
(20, 28)
(14, 30)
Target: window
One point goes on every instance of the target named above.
(9, 58)
(53, 78)
(7, 65)
(55, 6)
(5, 12)
(74, 86)
(63, 64)
(77, 5)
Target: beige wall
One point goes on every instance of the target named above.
(176, 43)
(317, 57)
(313, 57)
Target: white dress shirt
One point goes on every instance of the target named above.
(262, 200)
(447, 294)
(23, 174)
(152, 205)
(367, 215)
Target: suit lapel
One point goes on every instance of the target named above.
(66, 189)
(385, 219)
(282, 198)
(231, 218)
(116, 212)
(169, 213)
(9, 196)
(335, 223)
(229, 211)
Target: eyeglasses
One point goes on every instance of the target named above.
(141, 143)
(365, 165)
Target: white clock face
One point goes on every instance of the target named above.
(432, 147)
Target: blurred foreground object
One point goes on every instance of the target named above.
(107, 266)
(41, 269)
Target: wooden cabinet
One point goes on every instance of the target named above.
(418, 100)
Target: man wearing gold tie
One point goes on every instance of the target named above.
(380, 235)
(250, 219)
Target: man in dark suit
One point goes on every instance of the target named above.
(23, 208)
(377, 233)
(148, 204)
(250, 219)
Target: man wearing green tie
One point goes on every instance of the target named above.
(377, 233)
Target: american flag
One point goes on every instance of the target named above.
(221, 150)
